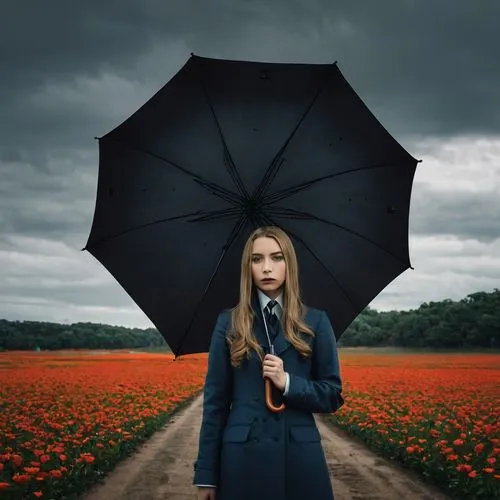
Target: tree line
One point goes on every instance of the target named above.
(472, 322)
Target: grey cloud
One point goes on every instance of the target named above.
(66, 294)
(464, 214)
(453, 271)
(54, 203)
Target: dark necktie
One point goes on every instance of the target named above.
(271, 319)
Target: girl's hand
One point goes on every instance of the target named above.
(205, 493)
(273, 369)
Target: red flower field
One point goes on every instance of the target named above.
(437, 413)
(67, 418)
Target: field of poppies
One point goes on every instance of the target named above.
(436, 413)
(66, 418)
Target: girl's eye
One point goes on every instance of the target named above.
(275, 257)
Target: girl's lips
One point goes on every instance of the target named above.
(268, 279)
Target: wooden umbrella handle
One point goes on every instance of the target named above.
(269, 401)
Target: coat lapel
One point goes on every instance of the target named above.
(259, 328)
(280, 342)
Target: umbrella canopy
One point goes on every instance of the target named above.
(226, 146)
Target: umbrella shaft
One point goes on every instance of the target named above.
(271, 345)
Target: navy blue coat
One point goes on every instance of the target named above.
(247, 451)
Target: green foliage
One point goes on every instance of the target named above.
(473, 322)
(34, 335)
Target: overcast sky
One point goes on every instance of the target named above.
(70, 71)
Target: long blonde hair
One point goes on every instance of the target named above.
(241, 338)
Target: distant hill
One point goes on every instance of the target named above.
(472, 322)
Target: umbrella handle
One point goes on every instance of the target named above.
(269, 401)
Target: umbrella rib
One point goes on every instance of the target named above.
(296, 214)
(285, 193)
(202, 216)
(270, 221)
(276, 164)
(226, 213)
(214, 188)
(232, 236)
(220, 192)
(229, 162)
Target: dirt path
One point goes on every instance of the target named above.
(163, 467)
(360, 474)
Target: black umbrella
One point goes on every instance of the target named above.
(226, 146)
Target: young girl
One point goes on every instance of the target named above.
(248, 451)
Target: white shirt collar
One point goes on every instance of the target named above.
(264, 299)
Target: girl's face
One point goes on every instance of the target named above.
(268, 266)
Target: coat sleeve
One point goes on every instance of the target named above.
(323, 393)
(216, 404)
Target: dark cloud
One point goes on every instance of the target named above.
(424, 68)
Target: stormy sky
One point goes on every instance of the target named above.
(70, 71)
